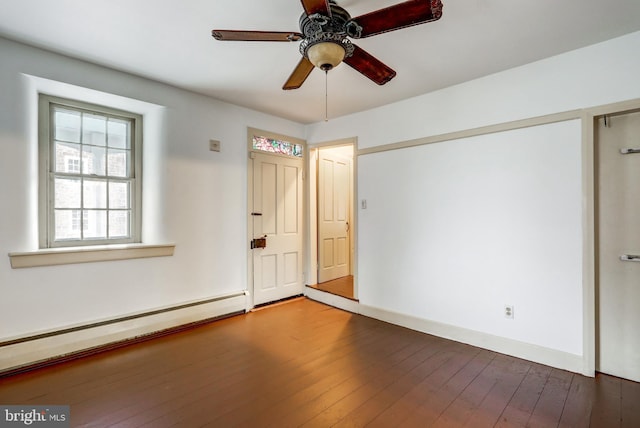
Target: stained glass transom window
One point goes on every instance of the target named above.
(277, 146)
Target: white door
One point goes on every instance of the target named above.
(277, 216)
(334, 194)
(618, 246)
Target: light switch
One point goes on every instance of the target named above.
(214, 145)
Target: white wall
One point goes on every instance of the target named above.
(192, 197)
(455, 230)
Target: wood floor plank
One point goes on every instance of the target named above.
(438, 399)
(252, 373)
(381, 401)
(299, 388)
(324, 394)
(510, 377)
(549, 408)
(630, 396)
(280, 371)
(375, 382)
(408, 404)
(606, 411)
(521, 406)
(303, 363)
(577, 407)
(464, 406)
(340, 287)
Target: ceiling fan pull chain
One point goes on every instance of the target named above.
(326, 96)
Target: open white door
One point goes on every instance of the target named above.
(334, 195)
(277, 217)
(618, 146)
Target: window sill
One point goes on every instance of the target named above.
(98, 253)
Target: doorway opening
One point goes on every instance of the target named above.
(332, 234)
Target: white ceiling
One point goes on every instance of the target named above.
(170, 41)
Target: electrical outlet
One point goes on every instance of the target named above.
(214, 145)
(508, 311)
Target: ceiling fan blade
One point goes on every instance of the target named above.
(299, 75)
(370, 66)
(316, 6)
(401, 15)
(257, 36)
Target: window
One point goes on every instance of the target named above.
(73, 165)
(273, 145)
(91, 191)
(75, 220)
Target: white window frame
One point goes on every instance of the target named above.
(46, 172)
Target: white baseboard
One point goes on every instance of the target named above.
(44, 347)
(539, 354)
(527, 351)
(24, 353)
(332, 300)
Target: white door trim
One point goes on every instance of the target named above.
(589, 117)
(617, 345)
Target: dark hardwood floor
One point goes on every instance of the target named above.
(306, 364)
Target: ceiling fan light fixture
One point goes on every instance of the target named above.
(325, 29)
(326, 55)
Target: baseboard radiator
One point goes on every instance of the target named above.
(43, 349)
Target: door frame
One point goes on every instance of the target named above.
(590, 184)
(600, 148)
(305, 205)
(312, 246)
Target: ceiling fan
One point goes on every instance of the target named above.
(326, 30)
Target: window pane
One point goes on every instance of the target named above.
(67, 157)
(67, 125)
(94, 160)
(96, 224)
(118, 163)
(119, 134)
(94, 129)
(90, 189)
(67, 224)
(277, 146)
(67, 193)
(95, 194)
(118, 224)
(119, 195)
